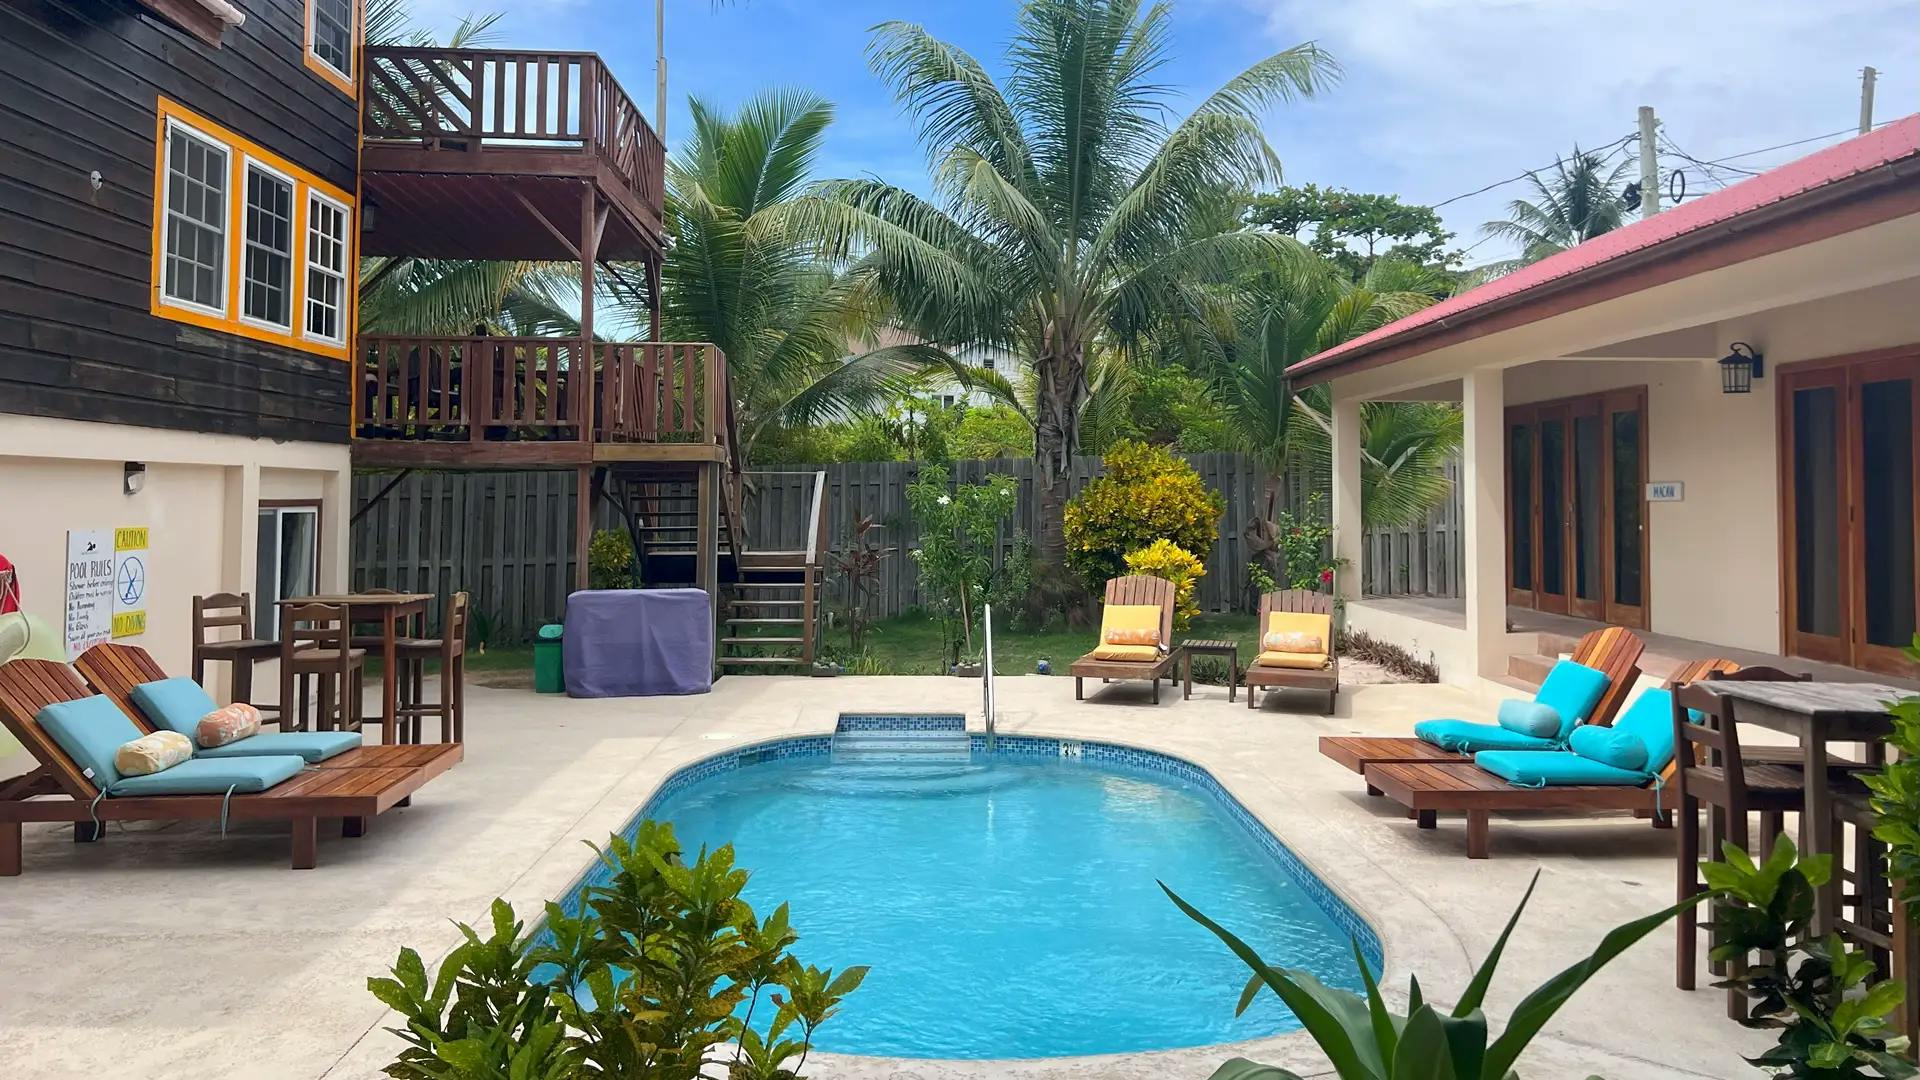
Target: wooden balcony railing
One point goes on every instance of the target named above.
(479, 100)
(501, 389)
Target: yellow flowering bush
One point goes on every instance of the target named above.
(1166, 559)
(1147, 494)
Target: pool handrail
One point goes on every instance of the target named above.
(986, 669)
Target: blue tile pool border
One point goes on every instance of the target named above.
(1329, 902)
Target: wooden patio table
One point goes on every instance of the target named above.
(1817, 713)
(390, 610)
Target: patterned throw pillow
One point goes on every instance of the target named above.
(229, 724)
(1127, 635)
(153, 753)
(1293, 641)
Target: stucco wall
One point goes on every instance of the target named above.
(199, 502)
(1715, 557)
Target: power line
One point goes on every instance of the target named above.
(1622, 141)
(1796, 142)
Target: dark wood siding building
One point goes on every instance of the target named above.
(84, 331)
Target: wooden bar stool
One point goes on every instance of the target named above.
(320, 649)
(213, 613)
(450, 649)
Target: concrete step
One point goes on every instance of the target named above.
(1530, 668)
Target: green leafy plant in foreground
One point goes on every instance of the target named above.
(1364, 1040)
(1896, 797)
(1830, 1013)
(647, 983)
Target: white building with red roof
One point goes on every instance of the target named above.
(1704, 425)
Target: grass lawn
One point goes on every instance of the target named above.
(910, 645)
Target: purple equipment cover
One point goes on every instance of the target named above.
(638, 643)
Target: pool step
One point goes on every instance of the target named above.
(902, 747)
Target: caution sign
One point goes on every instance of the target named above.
(131, 567)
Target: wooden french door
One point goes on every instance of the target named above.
(1849, 461)
(1576, 506)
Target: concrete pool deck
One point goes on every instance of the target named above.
(171, 952)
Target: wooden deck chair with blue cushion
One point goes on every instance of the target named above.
(1136, 635)
(131, 677)
(1623, 766)
(1588, 687)
(76, 738)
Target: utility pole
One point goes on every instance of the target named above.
(660, 69)
(1649, 164)
(1867, 77)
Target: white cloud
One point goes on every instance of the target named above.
(1443, 96)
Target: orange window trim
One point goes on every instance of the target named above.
(240, 152)
(346, 84)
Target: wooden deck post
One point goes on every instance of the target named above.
(706, 566)
(582, 525)
(591, 220)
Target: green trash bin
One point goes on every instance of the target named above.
(548, 676)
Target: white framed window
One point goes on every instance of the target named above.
(287, 562)
(326, 316)
(330, 35)
(266, 270)
(194, 264)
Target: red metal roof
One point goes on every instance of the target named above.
(1883, 146)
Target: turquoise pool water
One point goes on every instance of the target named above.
(1007, 902)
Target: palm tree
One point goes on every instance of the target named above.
(1578, 201)
(1069, 217)
(795, 330)
(1287, 317)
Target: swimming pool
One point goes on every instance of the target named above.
(1006, 900)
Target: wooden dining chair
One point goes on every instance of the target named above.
(1712, 769)
(450, 649)
(314, 645)
(211, 615)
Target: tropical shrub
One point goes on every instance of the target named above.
(991, 431)
(610, 562)
(1896, 797)
(1147, 494)
(1165, 559)
(1306, 546)
(959, 530)
(645, 982)
(1365, 1041)
(859, 566)
(1830, 1013)
(1363, 646)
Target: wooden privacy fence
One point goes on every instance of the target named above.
(507, 537)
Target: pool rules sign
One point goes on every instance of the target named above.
(106, 586)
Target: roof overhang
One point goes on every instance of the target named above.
(1870, 197)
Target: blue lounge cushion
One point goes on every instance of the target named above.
(213, 776)
(1530, 718)
(1609, 746)
(176, 703)
(310, 746)
(1466, 737)
(1650, 720)
(1572, 690)
(1558, 768)
(91, 730)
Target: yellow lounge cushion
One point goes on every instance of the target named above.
(1128, 654)
(1303, 661)
(1300, 622)
(1131, 624)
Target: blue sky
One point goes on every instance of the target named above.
(1439, 97)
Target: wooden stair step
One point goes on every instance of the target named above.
(750, 640)
(764, 661)
(756, 621)
(765, 584)
(765, 603)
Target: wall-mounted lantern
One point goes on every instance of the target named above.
(1739, 368)
(133, 477)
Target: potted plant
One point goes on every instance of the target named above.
(968, 666)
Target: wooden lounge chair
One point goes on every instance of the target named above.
(58, 791)
(114, 670)
(1614, 651)
(1323, 677)
(1427, 788)
(1134, 589)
